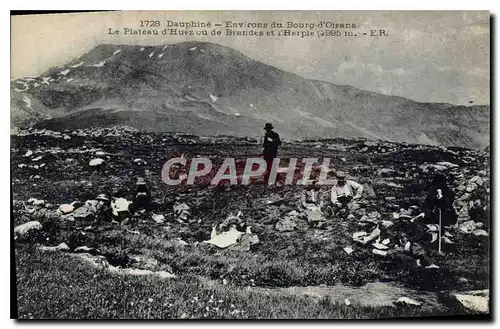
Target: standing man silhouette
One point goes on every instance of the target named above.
(271, 143)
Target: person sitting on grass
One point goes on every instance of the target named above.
(312, 201)
(344, 195)
(409, 247)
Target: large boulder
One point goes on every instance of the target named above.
(83, 213)
(476, 301)
(66, 208)
(23, 230)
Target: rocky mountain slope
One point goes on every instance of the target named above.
(208, 89)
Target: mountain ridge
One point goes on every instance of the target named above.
(198, 87)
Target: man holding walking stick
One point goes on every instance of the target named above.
(438, 207)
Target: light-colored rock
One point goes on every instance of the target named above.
(379, 252)
(83, 249)
(96, 162)
(83, 213)
(62, 247)
(380, 246)
(477, 180)
(476, 300)
(480, 233)
(158, 218)
(66, 208)
(467, 227)
(408, 301)
(348, 250)
(387, 223)
(471, 187)
(26, 228)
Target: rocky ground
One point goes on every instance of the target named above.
(50, 169)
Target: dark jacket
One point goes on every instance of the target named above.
(271, 143)
(432, 205)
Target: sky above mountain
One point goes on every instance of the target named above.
(427, 56)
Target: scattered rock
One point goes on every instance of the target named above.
(96, 162)
(61, 247)
(446, 164)
(476, 300)
(471, 187)
(83, 249)
(83, 213)
(463, 214)
(358, 235)
(379, 252)
(24, 229)
(387, 223)
(408, 301)
(467, 227)
(380, 246)
(477, 181)
(158, 218)
(348, 250)
(66, 208)
(480, 233)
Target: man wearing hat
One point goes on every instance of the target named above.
(271, 143)
(343, 193)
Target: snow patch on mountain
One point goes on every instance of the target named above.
(77, 65)
(151, 55)
(160, 55)
(27, 101)
(213, 98)
(100, 64)
(65, 72)
(24, 84)
(117, 51)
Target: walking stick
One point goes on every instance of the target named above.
(439, 231)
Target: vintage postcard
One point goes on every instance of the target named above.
(251, 164)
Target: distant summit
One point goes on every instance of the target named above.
(208, 89)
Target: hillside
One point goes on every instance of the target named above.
(207, 89)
